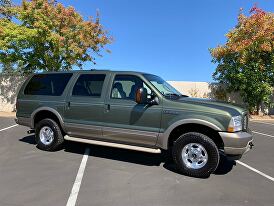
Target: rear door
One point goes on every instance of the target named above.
(125, 120)
(85, 105)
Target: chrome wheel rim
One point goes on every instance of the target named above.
(194, 156)
(46, 135)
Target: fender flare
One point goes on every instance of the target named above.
(164, 137)
(49, 109)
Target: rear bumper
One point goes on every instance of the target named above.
(236, 144)
(24, 121)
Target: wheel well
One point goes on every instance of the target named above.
(182, 129)
(46, 114)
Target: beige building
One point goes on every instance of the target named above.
(193, 89)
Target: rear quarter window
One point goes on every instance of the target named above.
(47, 84)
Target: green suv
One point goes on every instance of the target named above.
(132, 110)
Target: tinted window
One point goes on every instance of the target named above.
(125, 87)
(47, 84)
(89, 85)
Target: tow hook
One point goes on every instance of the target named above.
(31, 131)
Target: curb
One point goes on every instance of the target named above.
(7, 114)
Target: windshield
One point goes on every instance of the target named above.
(162, 86)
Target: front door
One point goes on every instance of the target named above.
(85, 106)
(126, 121)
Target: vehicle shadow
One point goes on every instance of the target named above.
(130, 156)
(225, 166)
(28, 139)
(124, 155)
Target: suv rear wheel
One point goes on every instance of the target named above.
(48, 135)
(195, 154)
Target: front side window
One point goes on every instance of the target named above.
(162, 86)
(125, 87)
(90, 85)
(48, 84)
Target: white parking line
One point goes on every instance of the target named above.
(77, 183)
(255, 170)
(263, 122)
(8, 127)
(268, 135)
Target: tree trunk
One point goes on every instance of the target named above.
(258, 108)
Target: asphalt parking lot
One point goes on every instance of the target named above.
(108, 176)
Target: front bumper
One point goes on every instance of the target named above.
(238, 143)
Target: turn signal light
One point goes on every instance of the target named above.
(230, 129)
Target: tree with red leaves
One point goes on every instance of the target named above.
(245, 63)
(46, 36)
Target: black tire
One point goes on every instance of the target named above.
(210, 147)
(58, 138)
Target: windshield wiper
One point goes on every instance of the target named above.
(170, 95)
(174, 94)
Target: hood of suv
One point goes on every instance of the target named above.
(229, 107)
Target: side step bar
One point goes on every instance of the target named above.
(110, 144)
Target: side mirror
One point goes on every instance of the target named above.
(154, 101)
(141, 96)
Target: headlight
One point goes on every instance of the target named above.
(235, 124)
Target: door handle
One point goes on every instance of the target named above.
(68, 105)
(107, 107)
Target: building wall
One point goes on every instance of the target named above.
(214, 91)
(205, 90)
(9, 86)
(193, 89)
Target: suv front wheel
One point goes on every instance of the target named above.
(195, 154)
(48, 135)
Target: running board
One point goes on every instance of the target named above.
(110, 144)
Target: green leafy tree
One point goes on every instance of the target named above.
(45, 35)
(246, 62)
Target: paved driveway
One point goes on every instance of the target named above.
(108, 176)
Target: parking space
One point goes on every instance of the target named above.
(112, 176)
(262, 155)
(29, 176)
(268, 121)
(6, 122)
(266, 127)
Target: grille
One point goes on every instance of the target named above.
(245, 122)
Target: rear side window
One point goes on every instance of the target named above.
(89, 85)
(47, 84)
